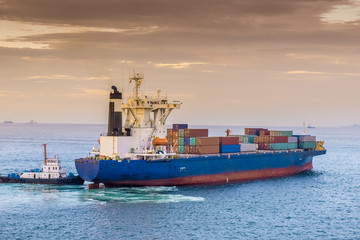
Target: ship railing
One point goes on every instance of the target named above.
(151, 96)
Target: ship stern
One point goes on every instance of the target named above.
(87, 169)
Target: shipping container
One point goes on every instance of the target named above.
(186, 141)
(186, 149)
(286, 133)
(192, 149)
(175, 134)
(207, 141)
(196, 132)
(279, 139)
(181, 149)
(307, 139)
(274, 133)
(248, 147)
(229, 140)
(176, 127)
(169, 131)
(181, 132)
(253, 131)
(278, 146)
(264, 132)
(292, 139)
(207, 149)
(230, 148)
(241, 137)
(249, 138)
(192, 141)
(181, 141)
(264, 146)
(292, 145)
(307, 145)
(169, 138)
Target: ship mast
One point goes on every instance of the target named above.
(45, 157)
(138, 78)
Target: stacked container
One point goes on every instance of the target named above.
(183, 139)
(306, 141)
(207, 145)
(229, 144)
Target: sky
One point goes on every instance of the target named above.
(230, 62)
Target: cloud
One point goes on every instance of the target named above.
(99, 78)
(352, 74)
(344, 13)
(88, 92)
(51, 77)
(68, 77)
(327, 59)
(178, 65)
(304, 72)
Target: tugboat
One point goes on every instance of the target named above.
(50, 173)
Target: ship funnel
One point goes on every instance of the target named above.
(115, 113)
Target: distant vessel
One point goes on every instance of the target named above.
(8, 121)
(50, 173)
(309, 126)
(32, 122)
(140, 151)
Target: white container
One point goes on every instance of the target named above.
(248, 147)
(293, 139)
(307, 139)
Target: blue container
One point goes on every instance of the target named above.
(229, 148)
(186, 141)
(176, 127)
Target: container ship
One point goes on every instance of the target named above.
(139, 150)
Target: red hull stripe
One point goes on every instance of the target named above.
(217, 178)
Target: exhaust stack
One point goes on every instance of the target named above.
(115, 113)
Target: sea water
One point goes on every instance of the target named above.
(320, 204)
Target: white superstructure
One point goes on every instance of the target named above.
(50, 169)
(144, 119)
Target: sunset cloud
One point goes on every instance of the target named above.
(246, 50)
(178, 65)
(304, 72)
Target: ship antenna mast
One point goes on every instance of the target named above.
(45, 157)
(137, 78)
(304, 129)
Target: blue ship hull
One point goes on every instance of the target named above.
(198, 170)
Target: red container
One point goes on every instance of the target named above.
(261, 146)
(175, 134)
(207, 149)
(196, 133)
(264, 146)
(229, 140)
(279, 139)
(253, 131)
(192, 150)
(186, 149)
(264, 132)
(207, 141)
(169, 131)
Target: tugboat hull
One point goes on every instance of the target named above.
(77, 180)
